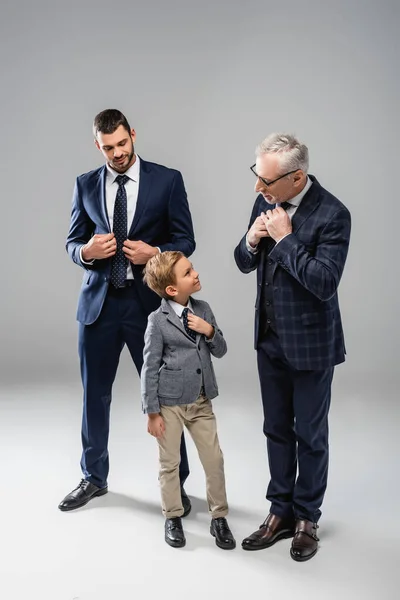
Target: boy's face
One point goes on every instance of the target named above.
(186, 280)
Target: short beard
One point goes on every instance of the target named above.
(130, 157)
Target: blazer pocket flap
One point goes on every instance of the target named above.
(170, 384)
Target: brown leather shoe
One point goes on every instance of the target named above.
(273, 529)
(305, 541)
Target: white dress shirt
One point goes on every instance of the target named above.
(132, 189)
(294, 205)
(178, 308)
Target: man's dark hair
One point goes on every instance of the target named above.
(109, 120)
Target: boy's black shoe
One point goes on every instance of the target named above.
(223, 535)
(174, 535)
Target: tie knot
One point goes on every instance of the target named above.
(122, 179)
(185, 312)
(285, 205)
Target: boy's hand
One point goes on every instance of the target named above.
(155, 425)
(200, 325)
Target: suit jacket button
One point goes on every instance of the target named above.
(198, 371)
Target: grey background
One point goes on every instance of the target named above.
(202, 83)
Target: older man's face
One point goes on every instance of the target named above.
(268, 167)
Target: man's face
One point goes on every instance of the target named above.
(187, 280)
(268, 167)
(117, 148)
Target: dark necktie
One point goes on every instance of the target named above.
(286, 205)
(186, 326)
(120, 228)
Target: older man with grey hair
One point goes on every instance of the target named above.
(297, 240)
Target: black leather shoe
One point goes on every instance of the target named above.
(305, 541)
(187, 505)
(223, 535)
(174, 535)
(81, 495)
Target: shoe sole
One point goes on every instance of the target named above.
(223, 546)
(304, 558)
(69, 508)
(283, 535)
(175, 544)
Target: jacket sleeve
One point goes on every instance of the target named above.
(181, 232)
(245, 260)
(80, 231)
(216, 344)
(320, 272)
(152, 355)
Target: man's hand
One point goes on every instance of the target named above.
(155, 425)
(277, 223)
(257, 231)
(138, 252)
(200, 325)
(101, 245)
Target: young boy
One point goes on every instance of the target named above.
(178, 383)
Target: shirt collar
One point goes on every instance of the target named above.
(132, 172)
(297, 199)
(178, 308)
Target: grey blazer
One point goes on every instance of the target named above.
(175, 366)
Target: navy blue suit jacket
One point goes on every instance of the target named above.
(308, 265)
(162, 218)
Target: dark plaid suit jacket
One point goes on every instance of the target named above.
(308, 265)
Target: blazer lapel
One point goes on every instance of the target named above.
(145, 181)
(173, 318)
(307, 206)
(101, 195)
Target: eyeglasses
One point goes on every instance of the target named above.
(268, 183)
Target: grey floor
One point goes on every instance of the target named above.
(114, 548)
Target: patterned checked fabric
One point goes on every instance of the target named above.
(310, 265)
(186, 326)
(120, 228)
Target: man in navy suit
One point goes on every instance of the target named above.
(122, 214)
(297, 239)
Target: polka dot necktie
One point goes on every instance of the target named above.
(120, 229)
(186, 326)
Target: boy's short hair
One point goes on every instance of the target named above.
(159, 273)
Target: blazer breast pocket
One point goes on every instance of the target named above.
(170, 383)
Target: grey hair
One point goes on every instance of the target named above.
(294, 154)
